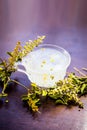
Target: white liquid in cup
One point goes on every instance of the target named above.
(46, 65)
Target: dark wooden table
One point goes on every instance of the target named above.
(14, 116)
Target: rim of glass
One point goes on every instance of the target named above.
(62, 50)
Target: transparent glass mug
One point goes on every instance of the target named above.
(46, 65)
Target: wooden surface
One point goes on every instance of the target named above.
(14, 116)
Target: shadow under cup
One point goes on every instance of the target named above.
(46, 65)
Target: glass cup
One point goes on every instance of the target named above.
(46, 65)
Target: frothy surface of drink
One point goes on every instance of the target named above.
(46, 60)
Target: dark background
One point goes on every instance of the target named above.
(24, 16)
(64, 22)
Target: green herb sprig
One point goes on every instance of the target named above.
(66, 92)
(7, 67)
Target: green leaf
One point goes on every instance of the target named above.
(10, 54)
(1, 69)
(3, 95)
(59, 101)
(54, 96)
(25, 97)
(83, 88)
(44, 92)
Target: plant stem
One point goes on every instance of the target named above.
(5, 85)
(79, 71)
(85, 69)
(19, 84)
